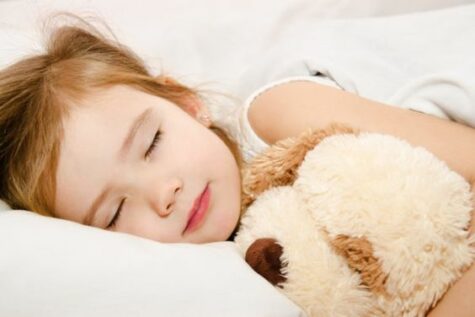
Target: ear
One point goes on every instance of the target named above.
(197, 109)
(191, 104)
(360, 257)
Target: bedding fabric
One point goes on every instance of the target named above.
(51, 267)
(428, 68)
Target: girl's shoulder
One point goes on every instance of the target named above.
(252, 143)
(267, 73)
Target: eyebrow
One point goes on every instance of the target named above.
(125, 148)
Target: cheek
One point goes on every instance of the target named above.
(226, 223)
(146, 224)
(228, 212)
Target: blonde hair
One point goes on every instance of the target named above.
(34, 97)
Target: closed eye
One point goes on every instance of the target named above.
(154, 143)
(113, 222)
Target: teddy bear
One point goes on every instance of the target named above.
(353, 223)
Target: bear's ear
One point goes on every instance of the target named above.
(358, 253)
(278, 164)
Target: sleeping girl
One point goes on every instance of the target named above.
(88, 134)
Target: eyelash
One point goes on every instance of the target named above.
(149, 151)
(154, 143)
(117, 214)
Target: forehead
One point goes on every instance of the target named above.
(115, 100)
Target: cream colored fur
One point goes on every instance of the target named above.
(407, 203)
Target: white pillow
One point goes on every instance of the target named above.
(51, 267)
(4, 206)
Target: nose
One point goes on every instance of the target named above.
(164, 200)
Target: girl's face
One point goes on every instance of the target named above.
(127, 150)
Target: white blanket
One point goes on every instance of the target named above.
(422, 61)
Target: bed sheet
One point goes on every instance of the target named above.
(206, 40)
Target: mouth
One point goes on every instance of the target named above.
(198, 211)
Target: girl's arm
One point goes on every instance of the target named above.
(288, 109)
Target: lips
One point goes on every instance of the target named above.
(198, 211)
